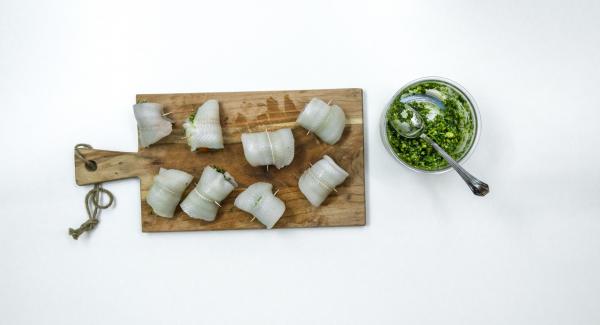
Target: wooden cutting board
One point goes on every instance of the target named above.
(246, 112)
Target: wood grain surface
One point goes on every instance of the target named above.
(246, 112)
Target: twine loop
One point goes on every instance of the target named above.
(93, 199)
(89, 164)
(271, 146)
(321, 182)
(324, 122)
(200, 195)
(318, 128)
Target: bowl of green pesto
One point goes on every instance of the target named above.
(450, 117)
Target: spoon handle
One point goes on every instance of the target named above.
(477, 187)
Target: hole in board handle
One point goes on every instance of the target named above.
(91, 166)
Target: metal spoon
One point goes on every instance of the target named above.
(411, 126)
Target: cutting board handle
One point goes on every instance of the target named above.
(109, 165)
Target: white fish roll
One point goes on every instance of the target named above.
(166, 191)
(327, 122)
(152, 125)
(204, 201)
(203, 129)
(320, 179)
(269, 148)
(259, 201)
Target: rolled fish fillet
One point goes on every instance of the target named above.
(166, 191)
(320, 179)
(259, 201)
(203, 129)
(152, 125)
(269, 148)
(204, 201)
(326, 121)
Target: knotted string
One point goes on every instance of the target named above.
(318, 128)
(321, 182)
(89, 164)
(93, 199)
(270, 146)
(253, 217)
(324, 122)
(215, 202)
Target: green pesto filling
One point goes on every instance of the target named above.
(453, 128)
(191, 117)
(257, 201)
(222, 171)
(219, 169)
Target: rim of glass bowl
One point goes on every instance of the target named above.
(475, 111)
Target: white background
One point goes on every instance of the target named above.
(431, 253)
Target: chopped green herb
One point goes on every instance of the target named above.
(219, 169)
(452, 128)
(222, 171)
(257, 201)
(191, 117)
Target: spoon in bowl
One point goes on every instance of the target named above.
(410, 125)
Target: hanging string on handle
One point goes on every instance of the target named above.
(93, 199)
(89, 164)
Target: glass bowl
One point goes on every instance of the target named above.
(474, 113)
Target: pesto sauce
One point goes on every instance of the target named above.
(218, 169)
(222, 171)
(453, 128)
